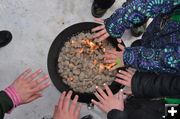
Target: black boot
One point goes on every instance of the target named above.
(136, 43)
(99, 8)
(87, 117)
(5, 38)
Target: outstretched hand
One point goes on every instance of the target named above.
(66, 111)
(101, 34)
(28, 88)
(113, 56)
(108, 101)
(125, 79)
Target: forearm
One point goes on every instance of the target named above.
(152, 60)
(151, 85)
(136, 12)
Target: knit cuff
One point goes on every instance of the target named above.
(15, 97)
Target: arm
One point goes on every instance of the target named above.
(6, 104)
(136, 12)
(155, 85)
(153, 60)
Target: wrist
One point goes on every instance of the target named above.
(15, 97)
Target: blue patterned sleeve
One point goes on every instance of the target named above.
(136, 12)
(153, 60)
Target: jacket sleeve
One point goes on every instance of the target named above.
(117, 114)
(153, 60)
(136, 12)
(6, 104)
(152, 85)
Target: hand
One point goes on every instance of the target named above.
(125, 77)
(28, 88)
(112, 56)
(102, 34)
(66, 111)
(108, 101)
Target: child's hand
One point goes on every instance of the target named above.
(126, 77)
(66, 111)
(102, 34)
(109, 102)
(27, 88)
(113, 56)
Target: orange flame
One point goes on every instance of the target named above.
(101, 67)
(91, 44)
(70, 79)
(95, 62)
(109, 66)
(80, 51)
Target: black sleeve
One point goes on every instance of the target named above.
(117, 114)
(6, 104)
(152, 85)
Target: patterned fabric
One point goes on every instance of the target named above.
(160, 50)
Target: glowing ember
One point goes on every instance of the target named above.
(88, 42)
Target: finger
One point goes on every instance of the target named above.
(122, 77)
(125, 73)
(115, 67)
(67, 101)
(34, 97)
(34, 75)
(130, 71)
(101, 92)
(24, 74)
(99, 97)
(104, 37)
(108, 90)
(109, 61)
(119, 40)
(61, 101)
(77, 113)
(98, 20)
(101, 106)
(73, 105)
(39, 81)
(120, 96)
(121, 47)
(127, 92)
(98, 28)
(41, 87)
(111, 52)
(100, 33)
(122, 82)
(110, 56)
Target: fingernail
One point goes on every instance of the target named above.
(97, 87)
(121, 90)
(92, 100)
(104, 84)
(119, 71)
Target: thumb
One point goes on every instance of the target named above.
(127, 92)
(34, 97)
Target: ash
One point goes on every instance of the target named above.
(82, 66)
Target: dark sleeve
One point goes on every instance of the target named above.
(117, 114)
(6, 104)
(152, 85)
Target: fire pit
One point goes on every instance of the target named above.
(75, 62)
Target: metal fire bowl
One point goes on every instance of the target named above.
(53, 55)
